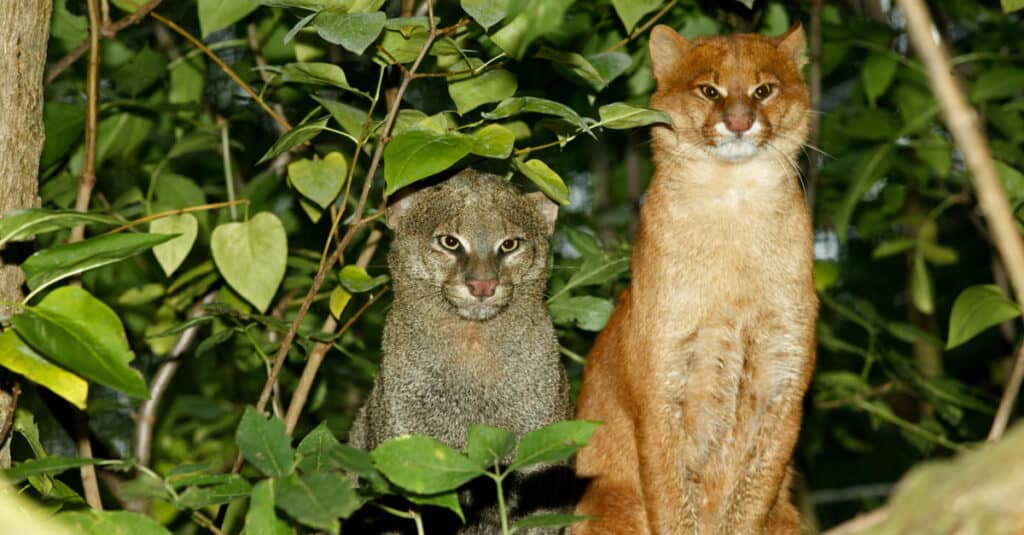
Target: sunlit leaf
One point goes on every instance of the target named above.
(587, 312)
(553, 443)
(977, 308)
(545, 178)
(171, 254)
(353, 31)
(493, 141)
(216, 14)
(355, 279)
(423, 465)
(631, 11)
(23, 224)
(82, 334)
(91, 522)
(416, 154)
(470, 91)
(622, 116)
(319, 180)
(251, 256)
(17, 356)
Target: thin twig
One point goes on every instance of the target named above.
(177, 211)
(146, 420)
(316, 356)
(89, 483)
(1009, 397)
(224, 67)
(328, 263)
(225, 150)
(963, 123)
(107, 31)
(640, 31)
(814, 75)
(88, 178)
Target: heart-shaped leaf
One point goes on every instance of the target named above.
(171, 254)
(353, 31)
(251, 256)
(319, 180)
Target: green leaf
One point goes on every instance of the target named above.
(423, 465)
(82, 334)
(187, 80)
(977, 308)
(517, 105)
(921, 290)
(488, 445)
(877, 75)
(893, 247)
(997, 82)
(52, 465)
(610, 65)
(550, 521)
(934, 150)
(339, 300)
(486, 13)
(91, 522)
(493, 141)
(171, 254)
(631, 11)
(63, 124)
(315, 73)
(143, 70)
(318, 449)
(20, 225)
(17, 356)
(596, 270)
(1010, 6)
(448, 500)
(318, 499)
(622, 116)
(553, 442)
(251, 256)
(350, 118)
(264, 443)
(261, 520)
(217, 14)
(470, 91)
(353, 31)
(1012, 180)
(295, 137)
(535, 19)
(417, 154)
(68, 28)
(588, 312)
(545, 178)
(319, 180)
(574, 67)
(871, 167)
(61, 261)
(199, 497)
(356, 280)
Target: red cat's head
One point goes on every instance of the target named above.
(731, 98)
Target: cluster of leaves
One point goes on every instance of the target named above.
(212, 215)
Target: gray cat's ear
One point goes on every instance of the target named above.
(794, 44)
(666, 47)
(547, 208)
(398, 207)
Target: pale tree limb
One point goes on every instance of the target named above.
(965, 126)
(316, 356)
(1009, 397)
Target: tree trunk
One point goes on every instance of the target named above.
(24, 31)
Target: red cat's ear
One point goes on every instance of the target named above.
(794, 44)
(666, 47)
(547, 208)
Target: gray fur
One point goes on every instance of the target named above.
(443, 367)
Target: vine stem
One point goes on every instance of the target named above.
(963, 123)
(327, 263)
(177, 211)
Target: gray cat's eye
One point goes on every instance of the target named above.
(449, 242)
(509, 245)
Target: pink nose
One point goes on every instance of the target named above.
(481, 288)
(739, 123)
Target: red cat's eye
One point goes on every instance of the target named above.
(762, 91)
(710, 92)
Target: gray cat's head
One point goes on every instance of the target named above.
(470, 245)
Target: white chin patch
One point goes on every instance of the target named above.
(735, 149)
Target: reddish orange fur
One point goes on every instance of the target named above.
(700, 374)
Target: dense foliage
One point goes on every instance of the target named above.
(222, 189)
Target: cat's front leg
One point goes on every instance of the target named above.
(669, 500)
(763, 475)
